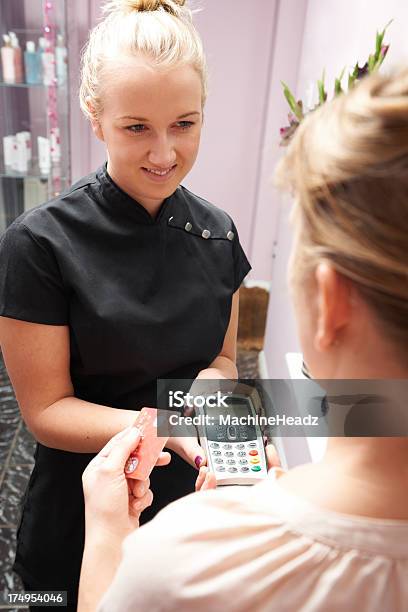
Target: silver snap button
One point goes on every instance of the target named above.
(206, 234)
(230, 235)
(170, 220)
(188, 226)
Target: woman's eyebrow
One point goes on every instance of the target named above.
(144, 119)
(188, 114)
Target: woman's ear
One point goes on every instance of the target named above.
(333, 306)
(95, 123)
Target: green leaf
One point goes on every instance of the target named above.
(371, 63)
(378, 43)
(295, 107)
(321, 89)
(337, 83)
(351, 80)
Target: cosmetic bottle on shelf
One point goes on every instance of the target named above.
(24, 142)
(44, 158)
(61, 58)
(27, 136)
(33, 64)
(48, 62)
(17, 58)
(22, 155)
(9, 152)
(7, 61)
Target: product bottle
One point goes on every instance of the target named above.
(18, 58)
(33, 64)
(61, 58)
(9, 149)
(7, 61)
(44, 159)
(26, 138)
(22, 153)
(48, 62)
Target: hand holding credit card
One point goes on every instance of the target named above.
(150, 447)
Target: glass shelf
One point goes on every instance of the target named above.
(39, 31)
(28, 85)
(33, 172)
(30, 174)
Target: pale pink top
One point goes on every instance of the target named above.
(261, 549)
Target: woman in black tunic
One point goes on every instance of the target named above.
(126, 278)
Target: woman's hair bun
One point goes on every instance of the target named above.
(128, 6)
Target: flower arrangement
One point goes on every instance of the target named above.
(298, 113)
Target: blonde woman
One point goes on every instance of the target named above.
(126, 278)
(331, 536)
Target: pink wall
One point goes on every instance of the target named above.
(284, 66)
(238, 39)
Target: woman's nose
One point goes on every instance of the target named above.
(162, 152)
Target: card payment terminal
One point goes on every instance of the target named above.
(234, 443)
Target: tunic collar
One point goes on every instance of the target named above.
(120, 203)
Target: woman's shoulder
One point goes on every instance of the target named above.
(255, 548)
(225, 512)
(206, 214)
(278, 515)
(55, 212)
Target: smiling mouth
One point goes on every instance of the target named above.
(162, 172)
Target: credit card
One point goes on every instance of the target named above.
(149, 449)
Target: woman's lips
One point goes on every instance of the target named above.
(159, 176)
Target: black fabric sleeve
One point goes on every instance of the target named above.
(241, 264)
(31, 287)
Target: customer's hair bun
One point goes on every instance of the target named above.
(128, 6)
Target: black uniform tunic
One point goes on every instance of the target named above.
(143, 298)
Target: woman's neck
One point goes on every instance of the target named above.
(357, 476)
(374, 457)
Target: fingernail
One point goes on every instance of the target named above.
(198, 461)
(131, 465)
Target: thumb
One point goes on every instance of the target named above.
(272, 457)
(121, 449)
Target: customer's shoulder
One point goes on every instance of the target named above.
(196, 514)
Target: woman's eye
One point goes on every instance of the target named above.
(137, 128)
(184, 125)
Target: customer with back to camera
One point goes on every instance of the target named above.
(126, 278)
(326, 536)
